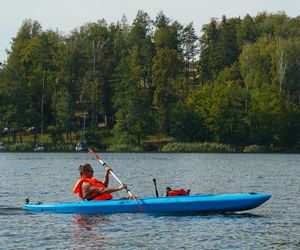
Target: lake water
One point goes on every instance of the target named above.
(49, 177)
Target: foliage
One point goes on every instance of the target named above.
(237, 84)
(221, 107)
(197, 147)
(19, 147)
(165, 70)
(124, 148)
(133, 112)
(254, 149)
(55, 134)
(61, 147)
(186, 125)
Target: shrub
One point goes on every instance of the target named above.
(62, 147)
(19, 147)
(254, 149)
(124, 148)
(205, 147)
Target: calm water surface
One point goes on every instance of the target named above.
(49, 177)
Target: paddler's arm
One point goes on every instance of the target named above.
(106, 176)
(88, 189)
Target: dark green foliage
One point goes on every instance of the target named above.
(167, 85)
(219, 47)
(167, 33)
(133, 117)
(125, 148)
(186, 125)
(239, 85)
(55, 134)
(19, 147)
(197, 147)
(221, 107)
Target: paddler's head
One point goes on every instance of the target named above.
(86, 170)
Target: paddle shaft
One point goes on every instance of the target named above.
(118, 180)
(112, 173)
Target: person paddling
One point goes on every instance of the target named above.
(89, 188)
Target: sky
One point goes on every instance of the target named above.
(66, 15)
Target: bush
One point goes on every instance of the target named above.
(62, 147)
(254, 149)
(19, 147)
(204, 147)
(124, 148)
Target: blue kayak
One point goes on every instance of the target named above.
(175, 204)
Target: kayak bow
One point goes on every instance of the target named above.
(175, 204)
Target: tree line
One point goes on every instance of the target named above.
(238, 83)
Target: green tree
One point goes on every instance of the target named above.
(266, 116)
(219, 47)
(228, 47)
(17, 75)
(141, 45)
(96, 79)
(221, 107)
(186, 125)
(133, 111)
(64, 111)
(189, 49)
(167, 33)
(247, 31)
(208, 53)
(47, 63)
(165, 73)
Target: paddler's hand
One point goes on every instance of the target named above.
(123, 186)
(107, 170)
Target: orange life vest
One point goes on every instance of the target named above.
(95, 195)
(178, 192)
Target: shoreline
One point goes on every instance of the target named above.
(170, 147)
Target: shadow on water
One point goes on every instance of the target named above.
(205, 214)
(12, 211)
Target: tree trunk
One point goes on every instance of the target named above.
(20, 137)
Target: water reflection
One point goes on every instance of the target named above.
(274, 225)
(89, 231)
(89, 221)
(208, 214)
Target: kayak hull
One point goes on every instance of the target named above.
(175, 204)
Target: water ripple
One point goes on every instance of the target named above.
(50, 178)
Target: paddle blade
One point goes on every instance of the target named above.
(94, 154)
(90, 151)
(139, 204)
